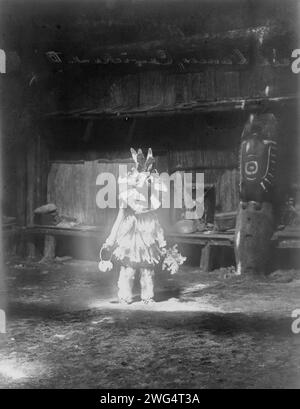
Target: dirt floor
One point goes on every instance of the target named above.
(65, 329)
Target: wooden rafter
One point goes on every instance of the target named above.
(234, 104)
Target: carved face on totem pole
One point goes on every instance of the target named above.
(258, 158)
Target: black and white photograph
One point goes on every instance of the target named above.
(150, 197)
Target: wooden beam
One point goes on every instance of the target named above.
(226, 105)
(289, 244)
(196, 41)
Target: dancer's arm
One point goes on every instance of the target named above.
(113, 234)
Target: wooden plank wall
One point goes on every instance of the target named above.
(206, 159)
(167, 88)
(219, 168)
(36, 172)
(72, 187)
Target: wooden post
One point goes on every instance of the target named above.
(255, 220)
(30, 197)
(206, 259)
(37, 170)
(254, 229)
(49, 248)
(30, 248)
(88, 131)
(131, 131)
(3, 293)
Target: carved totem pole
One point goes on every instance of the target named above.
(255, 219)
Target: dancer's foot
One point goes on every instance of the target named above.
(125, 301)
(148, 301)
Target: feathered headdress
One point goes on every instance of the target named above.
(142, 164)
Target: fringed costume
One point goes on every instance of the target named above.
(137, 238)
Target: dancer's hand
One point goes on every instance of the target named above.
(105, 250)
(109, 242)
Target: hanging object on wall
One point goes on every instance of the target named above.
(255, 219)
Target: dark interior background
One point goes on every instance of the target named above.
(120, 56)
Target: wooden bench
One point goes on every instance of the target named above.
(10, 234)
(282, 239)
(51, 232)
(76, 231)
(209, 240)
(287, 239)
(206, 240)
